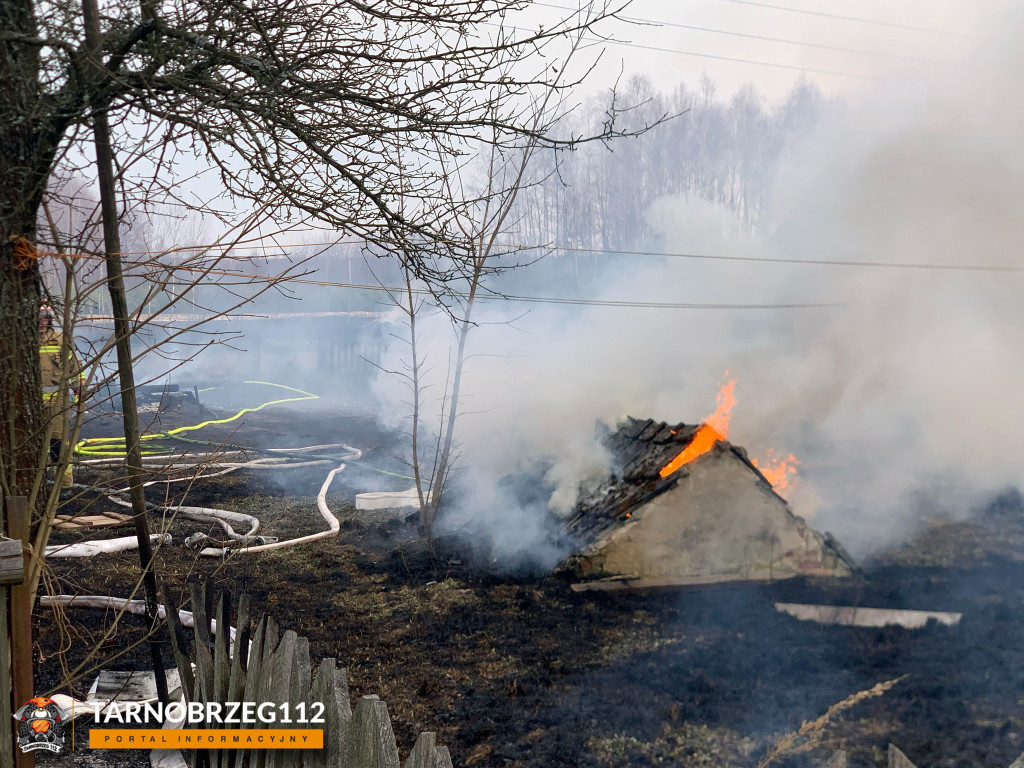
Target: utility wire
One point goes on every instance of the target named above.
(738, 60)
(841, 17)
(392, 290)
(732, 33)
(681, 52)
(813, 262)
(514, 248)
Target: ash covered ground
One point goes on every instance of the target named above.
(525, 672)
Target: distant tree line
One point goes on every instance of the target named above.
(722, 151)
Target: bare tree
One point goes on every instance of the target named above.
(297, 105)
(483, 218)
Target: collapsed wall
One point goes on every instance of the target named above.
(714, 519)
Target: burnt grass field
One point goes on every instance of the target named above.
(522, 671)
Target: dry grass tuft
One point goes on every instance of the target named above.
(811, 732)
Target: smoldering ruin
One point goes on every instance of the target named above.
(715, 519)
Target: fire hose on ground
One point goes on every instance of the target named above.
(115, 446)
(75, 707)
(333, 526)
(226, 519)
(110, 451)
(102, 546)
(250, 541)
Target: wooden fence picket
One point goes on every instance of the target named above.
(897, 759)
(275, 667)
(426, 754)
(370, 741)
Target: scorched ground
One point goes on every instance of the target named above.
(522, 671)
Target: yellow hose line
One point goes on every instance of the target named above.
(115, 446)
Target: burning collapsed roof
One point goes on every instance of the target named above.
(687, 507)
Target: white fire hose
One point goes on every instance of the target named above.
(102, 546)
(75, 707)
(136, 607)
(226, 519)
(333, 527)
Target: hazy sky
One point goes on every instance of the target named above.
(959, 26)
(900, 58)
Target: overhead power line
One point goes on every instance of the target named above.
(841, 17)
(812, 262)
(286, 251)
(739, 60)
(715, 57)
(749, 36)
(395, 290)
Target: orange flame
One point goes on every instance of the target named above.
(778, 471)
(714, 428)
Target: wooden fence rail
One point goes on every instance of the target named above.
(271, 666)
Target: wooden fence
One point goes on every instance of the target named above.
(896, 759)
(271, 666)
(15, 629)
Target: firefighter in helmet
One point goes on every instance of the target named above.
(51, 341)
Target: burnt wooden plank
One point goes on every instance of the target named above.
(665, 435)
(653, 428)
(634, 427)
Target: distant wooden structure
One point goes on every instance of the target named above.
(268, 665)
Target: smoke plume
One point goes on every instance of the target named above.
(903, 395)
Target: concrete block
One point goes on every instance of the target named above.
(388, 500)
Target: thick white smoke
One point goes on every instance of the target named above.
(905, 395)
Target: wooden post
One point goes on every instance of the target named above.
(20, 627)
(12, 571)
(6, 723)
(122, 338)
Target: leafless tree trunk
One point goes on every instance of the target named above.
(123, 336)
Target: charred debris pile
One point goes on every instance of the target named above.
(714, 518)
